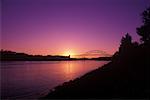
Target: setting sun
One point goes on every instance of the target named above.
(67, 53)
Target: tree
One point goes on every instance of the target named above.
(126, 43)
(144, 30)
(126, 40)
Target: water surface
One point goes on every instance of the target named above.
(32, 79)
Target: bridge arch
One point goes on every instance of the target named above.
(93, 54)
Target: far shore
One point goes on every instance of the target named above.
(71, 59)
(14, 56)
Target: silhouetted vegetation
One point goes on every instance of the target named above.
(144, 30)
(13, 56)
(126, 76)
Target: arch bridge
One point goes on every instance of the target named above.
(93, 54)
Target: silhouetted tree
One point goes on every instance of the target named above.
(126, 40)
(144, 30)
(125, 43)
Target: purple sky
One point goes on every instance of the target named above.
(59, 26)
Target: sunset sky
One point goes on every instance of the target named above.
(68, 26)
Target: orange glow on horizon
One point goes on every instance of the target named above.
(69, 52)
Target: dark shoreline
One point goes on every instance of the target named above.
(106, 86)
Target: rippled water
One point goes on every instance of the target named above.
(33, 79)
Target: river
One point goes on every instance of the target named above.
(33, 79)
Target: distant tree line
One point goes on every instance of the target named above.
(10, 56)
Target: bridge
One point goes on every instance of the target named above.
(93, 54)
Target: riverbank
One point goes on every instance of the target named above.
(124, 77)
